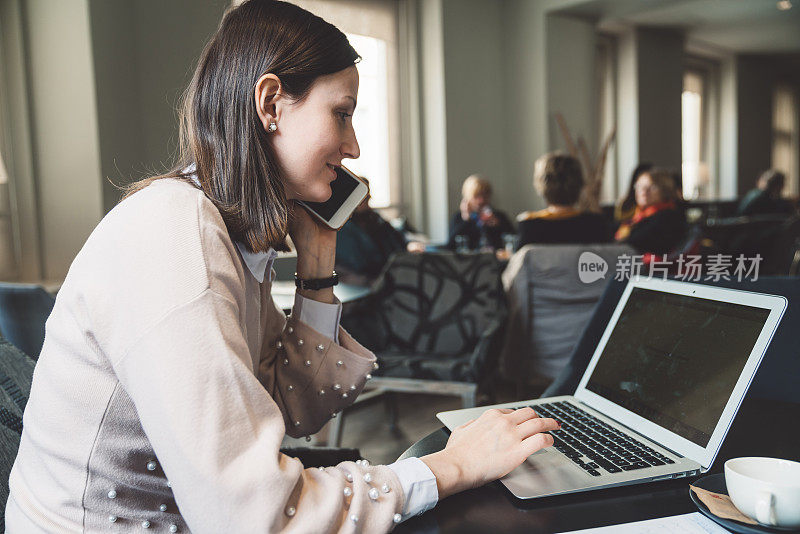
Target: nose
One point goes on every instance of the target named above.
(349, 148)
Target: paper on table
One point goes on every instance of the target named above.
(693, 523)
(721, 505)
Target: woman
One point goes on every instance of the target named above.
(559, 179)
(658, 225)
(169, 377)
(476, 221)
(626, 207)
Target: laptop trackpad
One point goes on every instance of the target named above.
(544, 472)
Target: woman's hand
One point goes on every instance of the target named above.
(464, 207)
(488, 448)
(316, 251)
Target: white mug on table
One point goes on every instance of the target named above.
(765, 489)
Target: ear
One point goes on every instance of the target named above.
(267, 92)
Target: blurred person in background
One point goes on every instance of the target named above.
(765, 198)
(365, 243)
(626, 206)
(480, 225)
(658, 223)
(558, 178)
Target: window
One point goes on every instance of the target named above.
(372, 27)
(605, 72)
(372, 118)
(700, 128)
(784, 137)
(694, 169)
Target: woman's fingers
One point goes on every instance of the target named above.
(521, 415)
(536, 425)
(536, 442)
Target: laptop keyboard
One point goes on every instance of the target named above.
(596, 447)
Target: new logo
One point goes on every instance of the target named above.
(591, 267)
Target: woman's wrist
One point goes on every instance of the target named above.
(315, 264)
(449, 475)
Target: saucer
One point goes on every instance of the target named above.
(716, 483)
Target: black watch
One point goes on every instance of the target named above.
(316, 283)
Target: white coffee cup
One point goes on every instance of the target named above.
(765, 489)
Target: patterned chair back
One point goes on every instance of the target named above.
(16, 374)
(437, 302)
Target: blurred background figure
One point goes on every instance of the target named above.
(658, 224)
(765, 198)
(626, 207)
(558, 178)
(477, 225)
(365, 243)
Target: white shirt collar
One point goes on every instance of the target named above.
(259, 263)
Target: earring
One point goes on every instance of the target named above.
(272, 127)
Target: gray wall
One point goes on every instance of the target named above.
(660, 83)
(103, 81)
(754, 119)
(508, 68)
(524, 87)
(650, 82)
(571, 82)
(144, 54)
(475, 108)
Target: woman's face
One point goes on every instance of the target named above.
(647, 192)
(315, 134)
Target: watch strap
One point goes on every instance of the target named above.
(316, 283)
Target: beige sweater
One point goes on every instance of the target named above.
(166, 383)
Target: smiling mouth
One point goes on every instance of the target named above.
(333, 169)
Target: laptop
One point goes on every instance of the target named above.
(659, 394)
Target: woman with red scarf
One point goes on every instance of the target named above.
(658, 224)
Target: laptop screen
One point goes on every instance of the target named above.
(675, 359)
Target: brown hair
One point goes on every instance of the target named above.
(220, 130)
(558, 178)
(666, 181)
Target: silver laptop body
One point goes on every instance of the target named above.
(662, 389)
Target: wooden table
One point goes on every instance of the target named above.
(761, 428)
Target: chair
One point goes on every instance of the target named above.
(435, 322)
(16, 374)
(24, 309)
(776, 377)
(549, 305)
(771, 236)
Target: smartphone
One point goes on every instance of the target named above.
(347, 192)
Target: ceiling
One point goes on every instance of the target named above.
(742, 26)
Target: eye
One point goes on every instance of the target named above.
(343, 115)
